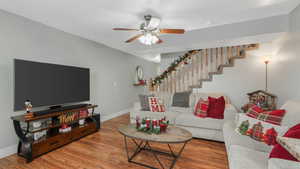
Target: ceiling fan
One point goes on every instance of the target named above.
(150, 31)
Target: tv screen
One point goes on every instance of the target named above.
(49, 84)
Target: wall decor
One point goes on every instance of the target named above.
(139, 79)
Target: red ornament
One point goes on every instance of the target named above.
(270, 136)
(249, 132)
(154, 123)
(148, 123)
(163, 127)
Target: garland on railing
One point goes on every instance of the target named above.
(185, 59)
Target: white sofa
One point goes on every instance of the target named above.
(246, 153)
(206, 128)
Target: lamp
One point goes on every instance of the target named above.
(148, 39)
(266, 61)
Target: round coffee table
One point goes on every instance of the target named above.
(173, 135)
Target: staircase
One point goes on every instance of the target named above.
(197, 66)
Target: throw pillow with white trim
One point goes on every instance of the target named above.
(201, 108)
(156, 105)
(254, 111)
(259, 130)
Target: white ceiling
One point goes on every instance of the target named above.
(94, 19)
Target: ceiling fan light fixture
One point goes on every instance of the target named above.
(150, 31)
(148, 39)
(153, 23)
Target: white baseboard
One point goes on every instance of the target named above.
(7, 151)
(113, 115)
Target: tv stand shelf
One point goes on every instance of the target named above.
(30, 148)
(23, 119)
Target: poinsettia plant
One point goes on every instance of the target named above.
(152, 126)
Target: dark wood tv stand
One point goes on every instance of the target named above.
(30, 148)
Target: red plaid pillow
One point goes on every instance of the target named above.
(201, 108)
(273, 117)
(254, 111)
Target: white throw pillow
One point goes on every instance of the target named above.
(258, 130)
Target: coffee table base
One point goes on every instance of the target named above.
(145, 146)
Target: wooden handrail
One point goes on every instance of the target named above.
(191, 69)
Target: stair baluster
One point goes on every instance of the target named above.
(202, 65)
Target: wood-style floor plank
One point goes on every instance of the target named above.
(105, 150)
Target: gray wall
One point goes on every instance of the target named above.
(168, 58)
(286, 75)
(112, 71)
(249, 74)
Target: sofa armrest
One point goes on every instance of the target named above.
(275, 163)
(137, 106)
(230, 113)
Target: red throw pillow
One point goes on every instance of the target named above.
(201, 108)
(254, 111)
(279, 152)
(273, 117)
(216, 107)
(279, 112)
(296, 127)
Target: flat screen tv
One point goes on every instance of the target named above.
(47, 84)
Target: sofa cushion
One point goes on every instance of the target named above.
(208, 134)
(186, 110)
(275, 163)
(181, 99)
(231, 137)
(246, 158)
(190, 120)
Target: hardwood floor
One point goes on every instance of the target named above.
(105, 150)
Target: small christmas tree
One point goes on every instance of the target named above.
(244, 127)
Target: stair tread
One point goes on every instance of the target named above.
(210, 61)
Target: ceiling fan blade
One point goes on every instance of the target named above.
(134, 38)
(124, 29)
(173, 31)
